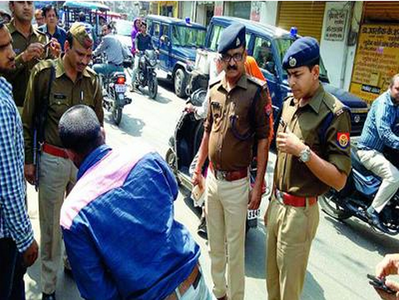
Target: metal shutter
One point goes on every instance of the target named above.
(306, 16)
(381, 11)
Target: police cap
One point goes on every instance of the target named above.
(232, 37)
(304, 51)
(81, 34)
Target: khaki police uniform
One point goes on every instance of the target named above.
(57, 172)
(20, 76)
(292, 228)
(230, 152)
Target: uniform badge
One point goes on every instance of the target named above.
(238, 42)
(343, 139)
(292, 61)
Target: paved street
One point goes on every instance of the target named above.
(342, 253)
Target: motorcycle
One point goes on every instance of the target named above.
(357, 195)
(146, 75)
(184, 145)
(114, 90)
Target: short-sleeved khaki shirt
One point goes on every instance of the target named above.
(20, 76)
(64, 94)
(233, 123)
(293, 176)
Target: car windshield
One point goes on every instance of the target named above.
(123, 27)
(188, 36)
(282, 46)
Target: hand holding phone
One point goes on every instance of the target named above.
(380, 284)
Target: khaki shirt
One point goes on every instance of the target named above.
(64, 94)
(231, 123)
(20, 76)
(293, 176)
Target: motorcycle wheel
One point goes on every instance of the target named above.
(153, 87)
(117, 115)
(331, 208)
(170, 159)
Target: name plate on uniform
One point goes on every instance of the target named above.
(253, 214)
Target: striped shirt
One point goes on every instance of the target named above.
(14, 221)
(378, 130)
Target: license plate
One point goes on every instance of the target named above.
(120, 88)
(253, 214)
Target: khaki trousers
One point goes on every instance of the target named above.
(226, 208)
(379, 165)
(56, 174)
(290, 232)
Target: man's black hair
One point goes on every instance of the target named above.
(69, 38)
(82, 17)
(80, 130)
(47, 8)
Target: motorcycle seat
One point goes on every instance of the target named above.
(357, 164)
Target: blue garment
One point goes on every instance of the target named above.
(305, 51)
(60, 34)
(14, 221)
(120, 235)
(378, 130)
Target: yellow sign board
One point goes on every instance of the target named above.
(377, 60)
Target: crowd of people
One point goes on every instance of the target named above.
(117, 245)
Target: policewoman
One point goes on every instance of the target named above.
(239, 112)
(64, 82)
(313, 155)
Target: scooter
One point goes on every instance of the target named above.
(184, 145)
(114, 91)
(357, 195)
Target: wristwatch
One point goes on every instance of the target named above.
(304, 155)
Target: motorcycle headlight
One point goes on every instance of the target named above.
(153, 62)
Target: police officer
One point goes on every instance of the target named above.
(239, 113)
(313, 155)
(28, 44)
(73, 84)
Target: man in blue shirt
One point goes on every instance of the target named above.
(18, 248)
(378, 133)
(118, 225)
(51, 28)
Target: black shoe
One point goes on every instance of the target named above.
(48, 296)
(375, 219)
(202, 231)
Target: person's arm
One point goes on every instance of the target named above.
(101, 48)
(88, 269)
(388, 266)
(137, 41)
(385, 116)
(12, 189)
(263, 131)
(333, 171)
(98, 101)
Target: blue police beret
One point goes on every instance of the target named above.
(304, 51)
(232, 37)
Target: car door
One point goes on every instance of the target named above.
(165, 48)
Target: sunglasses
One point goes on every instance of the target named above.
(236, 57)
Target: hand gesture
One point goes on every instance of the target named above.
(388, 266)
(34, 50)
(255, 197)
(29, 171)
(289, 143)
(55, 48)
(385, 295)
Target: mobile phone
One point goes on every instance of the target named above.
(380, 284)
(48, 44)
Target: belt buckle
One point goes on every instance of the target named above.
(280, 196)
(220, 175)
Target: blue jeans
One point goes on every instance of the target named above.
(106, 69)
(12, 286)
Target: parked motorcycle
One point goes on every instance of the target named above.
(357, 195)
(114, 89)
(146, 75)
(184, 145)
